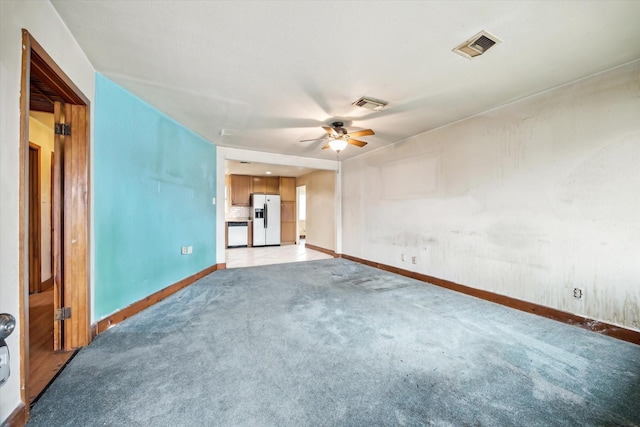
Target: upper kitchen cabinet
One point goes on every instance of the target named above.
(240, 190)
(273, 185)
(242, 186)
(287, 189)
(265, 184)
(258, 184)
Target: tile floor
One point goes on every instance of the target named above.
(249, 257)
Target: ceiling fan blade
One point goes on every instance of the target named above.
(331, 131)
(325, 147)
(357, 133)
(356, 142)
(315, 139)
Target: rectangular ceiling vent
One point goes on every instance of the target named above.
(370, 103)
(477, 45)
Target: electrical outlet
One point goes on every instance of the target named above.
(403, 257)
(189, 250)
(183, 251)
(577, 293)
(414, 260)
(213, 202)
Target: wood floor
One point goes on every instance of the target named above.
(250, 257)
(44, 363)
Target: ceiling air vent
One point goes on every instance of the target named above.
(370, 103)
(477, 45)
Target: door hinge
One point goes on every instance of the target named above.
(62, 129)
(63, 313)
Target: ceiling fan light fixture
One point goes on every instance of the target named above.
(337, 145)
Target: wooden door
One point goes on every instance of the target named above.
(70, 228)
(77, 332)
(56, 225)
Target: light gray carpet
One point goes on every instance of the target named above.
(335, 343)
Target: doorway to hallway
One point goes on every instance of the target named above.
(56, 321)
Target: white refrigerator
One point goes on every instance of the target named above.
(265, 209)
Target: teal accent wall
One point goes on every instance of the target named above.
(154, 181)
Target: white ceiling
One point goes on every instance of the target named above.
(261, 169)
(270, 73)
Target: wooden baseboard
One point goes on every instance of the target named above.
(18, 417)
(608, 329)
(138, 306)
(94, 330)
(323, 250)
(222, 266)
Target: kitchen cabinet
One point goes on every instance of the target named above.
(240, 190)
(287, 189)
(273, 185)
(242, 186)
(258, 184)
(287, 223)
(265, 184)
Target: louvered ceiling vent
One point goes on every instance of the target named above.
(370, 103)
(477, 45)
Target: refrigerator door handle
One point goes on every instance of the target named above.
(266, 216)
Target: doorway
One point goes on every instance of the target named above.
(56, 321)
(301, 228)
(43, 361)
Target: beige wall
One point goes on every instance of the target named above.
(529, 200)
(321, 208)
(43, 22)
(41, 134)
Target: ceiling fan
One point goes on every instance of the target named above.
(339, 137)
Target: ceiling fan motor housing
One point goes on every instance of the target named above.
(338, 127)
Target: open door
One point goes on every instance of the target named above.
(57, 237)
(70, 239)
(77, 330)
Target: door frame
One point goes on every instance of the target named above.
(299, 190)
(35, 219)
(36, 59)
